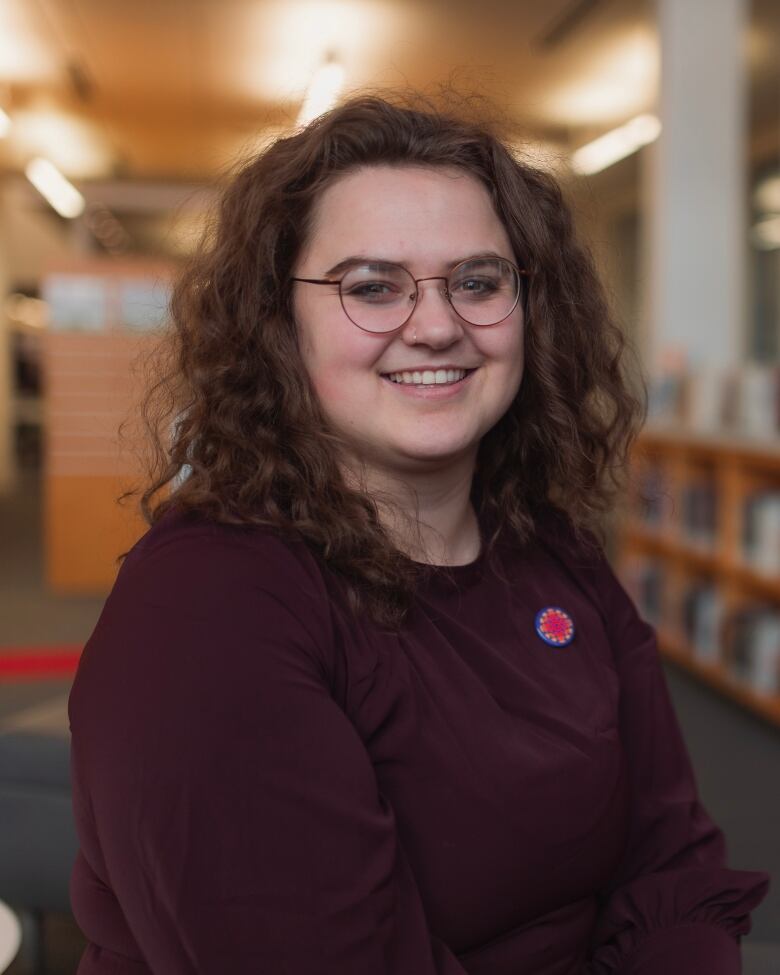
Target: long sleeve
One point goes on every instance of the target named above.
(222, 792)
(674, 907)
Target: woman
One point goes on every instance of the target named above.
(367, 698)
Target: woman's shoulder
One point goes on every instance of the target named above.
(190, 542)
(195, 590)
(187, 563)
(583, 558)
(202, 614)
(576, 545)
(578, 553)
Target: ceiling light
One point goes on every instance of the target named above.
(276, 46)
(75, 145)
(322, 92)
(615, 145)
(53, 186)
(24, 55)
(767, 194)
(766, 233)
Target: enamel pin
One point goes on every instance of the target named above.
(555, 626)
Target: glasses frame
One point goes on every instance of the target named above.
(445, 291)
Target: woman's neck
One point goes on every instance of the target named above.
(427, 521)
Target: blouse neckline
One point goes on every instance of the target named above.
(446, 577)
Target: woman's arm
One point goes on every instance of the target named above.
(224, 792)
(674, 907)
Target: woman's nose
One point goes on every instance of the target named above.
(434, 319)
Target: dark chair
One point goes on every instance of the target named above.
(38, 843)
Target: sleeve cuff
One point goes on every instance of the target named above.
(686, 948)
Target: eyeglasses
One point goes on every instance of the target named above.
(381, 297)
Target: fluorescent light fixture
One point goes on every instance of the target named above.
(615, 145)
(25, 57)
(74, 145)
(277, 45)
(53, 186)
(766, 233)
(767, 194)
(322, 91)
(5, 124)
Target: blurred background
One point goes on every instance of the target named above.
(661, 119)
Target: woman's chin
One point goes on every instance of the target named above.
(436, 453)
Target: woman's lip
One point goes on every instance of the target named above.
(429, 369)
(432, 391)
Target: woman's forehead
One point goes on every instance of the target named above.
(381, 188)
(393, 213)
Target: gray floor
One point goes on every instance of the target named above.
(736, 755)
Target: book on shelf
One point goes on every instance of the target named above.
(745, 641)
(702, 614)
(742, 399)
(761, 531)
(752, 648)
(699, 513)
(758, 395)
(665, 396)
(703, 399)
(654, 498)
(644, 579)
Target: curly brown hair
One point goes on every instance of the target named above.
(232, 406)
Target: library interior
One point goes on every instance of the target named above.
(660, 119)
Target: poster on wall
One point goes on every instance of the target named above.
(77, 302)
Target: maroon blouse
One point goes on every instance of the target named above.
(264, 783)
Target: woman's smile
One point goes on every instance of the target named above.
(428, 385)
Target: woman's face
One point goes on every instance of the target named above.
(427, 220)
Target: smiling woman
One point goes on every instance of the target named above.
(367, 698)
(276, 385)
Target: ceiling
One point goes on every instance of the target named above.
(172, 89)
(166, 93)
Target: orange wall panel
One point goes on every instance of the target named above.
(93, 381)
(85, 531)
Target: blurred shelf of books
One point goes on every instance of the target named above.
(698, 543)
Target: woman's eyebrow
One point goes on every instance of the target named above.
(368, 259)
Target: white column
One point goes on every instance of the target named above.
(7, 459)
(696, 176)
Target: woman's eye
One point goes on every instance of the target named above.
(475, 286)
(372, 290)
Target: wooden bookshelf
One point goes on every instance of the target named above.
(675, 649)
(658, 531)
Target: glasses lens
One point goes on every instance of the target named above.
(378, 297)
(484, 291)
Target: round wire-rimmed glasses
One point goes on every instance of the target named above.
(379, 296)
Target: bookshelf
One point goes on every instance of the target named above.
(698, 548)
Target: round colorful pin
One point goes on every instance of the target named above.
(555, 626)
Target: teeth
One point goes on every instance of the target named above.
(428, 377)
